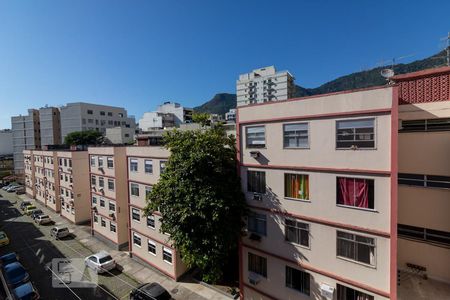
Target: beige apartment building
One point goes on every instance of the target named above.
(320, 179)
(109, 194)
(147, 243)
(59, 179)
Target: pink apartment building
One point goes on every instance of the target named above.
(331, 180)
(59, 180)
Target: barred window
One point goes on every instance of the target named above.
(257, 264)
(257, 223)
(298, 280)
(256, 181)
(296, 232)
(355, 134)
(356, 247)
(295, 135)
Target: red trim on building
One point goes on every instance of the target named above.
(322, 272)
(102, 175)
(146, 157)
(423, 73)
(394, 193)
(156, 240)
(320, 169)
(156, 267)
(101, 195)
(128, 210)
(320, 116)
(314, 96)
(324, 222)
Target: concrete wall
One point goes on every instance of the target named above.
(6, 142)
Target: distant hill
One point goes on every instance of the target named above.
(221, 103)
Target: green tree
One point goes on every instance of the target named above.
(200, 199)
(201, 118)
(89, 137)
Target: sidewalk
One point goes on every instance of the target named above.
(187, 289)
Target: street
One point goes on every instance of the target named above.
(36, 249)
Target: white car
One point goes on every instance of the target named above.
(43, 219)
(59, 232)
(100, 262)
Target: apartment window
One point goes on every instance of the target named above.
(102, 202)
(352, 134)
(295, 135)
(112, 206)
(346, 293)
(355, 192)
(110, 162)
(92, 161)
(101, 182)
(257, 223)
(96, 123)
(95, 219)
(151, 247)
(296, 186)
(102, 113)
(133, 165)
(84, 121)
(110, 114)
(65, 162)
(67, 193)
(257, 264)
(148, 190)
(356, 247)
(136, 239)
(148, 166)
(256, 136)
(441, 124)
(296, 232)
(90, 112)
(110, 122)
(298, 280)
(66, 179)
(90, 121)
(70, 179)
(103, 222)
(100, 162)
(134, 187)
(111, 184)
(93, 180)
(61, 176)
(424, 234)
(112, 227)
(136, 214)
(162, 166)
(256, 182)
(151, 221)
(433, 181)
(94, 200)
(167, 255)
(70, 163)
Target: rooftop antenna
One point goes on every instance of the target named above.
(447, 42)
(393, 61)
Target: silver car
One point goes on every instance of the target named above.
(100, 262)
(43, 219)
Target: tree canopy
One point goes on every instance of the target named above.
(200, 199)
(202, 118)
(89, 137)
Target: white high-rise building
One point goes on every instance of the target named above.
(168, 114)
(264, 85)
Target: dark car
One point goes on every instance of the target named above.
(36, 213)
(8, 258)
(26, 291)
(15, 274)
(150, 291)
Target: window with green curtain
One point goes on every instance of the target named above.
(296, 186)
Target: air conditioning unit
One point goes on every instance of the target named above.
(255, 154)
(257, 197)
(326, 291)
(354, 147)
(254, 278)
(255, 237)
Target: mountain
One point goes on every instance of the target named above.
(221, 103)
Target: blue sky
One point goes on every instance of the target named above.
(139, 53)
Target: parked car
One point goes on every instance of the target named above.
(8, 258)
(59, 232)
(100, 262)
(4, 240)
(29, 209)
(9, 186)
(150, 291)
(43, 219)
(24, 204)
(13, 188)
(36, 213)
(15, 274)
(20, 191)
(25, 291)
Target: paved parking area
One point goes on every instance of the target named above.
(36, 249)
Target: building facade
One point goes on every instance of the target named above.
(147, 243)
(181, 114)
(320, 179)
(155, 120)
(81, 116)
(26, 135)
(264, 85)
(424, 174)
(6, 142)
(59, 179)
(109, 194)
(50, 126)
(120, 135)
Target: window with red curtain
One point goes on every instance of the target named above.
(356, 192)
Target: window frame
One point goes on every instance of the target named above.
(257, 264)
(137, 236)
(153, 244)
(258, 218)
(134, 186)
(285, 188)
(134, 162)
(150, 161)
(111, 185)
(165, 251)
(149, 217)
(110, 162)
(136, 212)
(299, 232)
(307, 132)
(291, 284)
(258, 146)
(354, 260)
(375, 133)
(373, 209)
(250, 185)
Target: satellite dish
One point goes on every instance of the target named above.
(387, 73)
